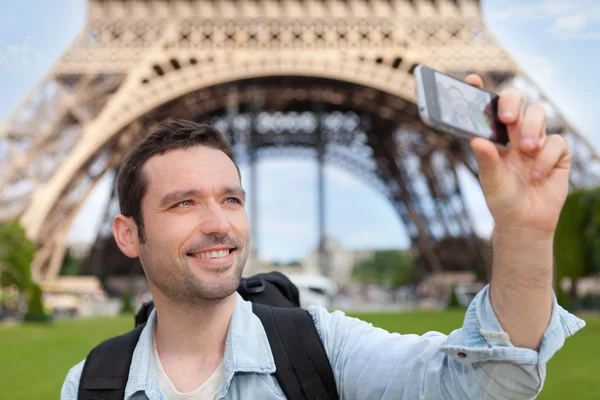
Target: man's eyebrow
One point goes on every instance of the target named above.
(175, 195)
(235, 191)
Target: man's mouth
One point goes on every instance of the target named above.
(212, 253)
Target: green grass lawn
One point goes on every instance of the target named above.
(35, 359)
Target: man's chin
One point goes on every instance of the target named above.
(209, 289)
(226, 276)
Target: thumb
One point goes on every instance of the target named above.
(489, 163)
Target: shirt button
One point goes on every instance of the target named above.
(462, 355)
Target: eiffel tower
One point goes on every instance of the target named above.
(330, 78)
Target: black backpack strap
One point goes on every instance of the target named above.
(303, 368)
(271, 288)
(106, 369)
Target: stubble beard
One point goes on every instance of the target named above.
(176, 280)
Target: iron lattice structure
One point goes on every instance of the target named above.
(328, 78)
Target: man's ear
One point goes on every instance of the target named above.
(126, 235)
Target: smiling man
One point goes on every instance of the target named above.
(183, 215)
(193, 234)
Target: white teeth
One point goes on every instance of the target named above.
(211, 254)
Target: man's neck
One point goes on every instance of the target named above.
(197, 330)
(191, 340)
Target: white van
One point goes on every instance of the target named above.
(314, 289)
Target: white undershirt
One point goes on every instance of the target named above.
(207, 391)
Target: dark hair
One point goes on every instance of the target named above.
(170, 135)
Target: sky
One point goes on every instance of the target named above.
(556, 43)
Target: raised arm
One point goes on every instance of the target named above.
(514, 325)
(525, 188)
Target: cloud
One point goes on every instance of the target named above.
(565, 34)
(564, 19)
(531, 11)
(542, 9)
(538, 67)
(498, 15)
(572, 22)
(557, 7)
(580, 25)
(21, 54)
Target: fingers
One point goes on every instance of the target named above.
(489, 163)
(474, 80)
(533, 128)
(526, 128)
(510, 113)
(554, 153)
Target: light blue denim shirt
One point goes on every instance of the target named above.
(477, 361)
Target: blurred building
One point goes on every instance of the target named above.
(340, 262)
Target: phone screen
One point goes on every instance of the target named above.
(466, 107)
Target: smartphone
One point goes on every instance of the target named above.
(450, 105)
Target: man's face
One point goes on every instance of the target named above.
(197, 234)
(458, 102)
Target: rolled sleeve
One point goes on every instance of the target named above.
(483, 339)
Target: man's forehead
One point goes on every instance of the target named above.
(199, 169)
(198, 159)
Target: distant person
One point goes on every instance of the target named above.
(183, 214)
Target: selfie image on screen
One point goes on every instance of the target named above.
(465, 107)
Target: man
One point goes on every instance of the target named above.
(183, 214)
(460, 116)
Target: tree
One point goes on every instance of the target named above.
(293, 263)
(577, 241)
(16, 255)
(453, 303)
(35, 308)
(127, 305)
(71, 265)
(392, 268)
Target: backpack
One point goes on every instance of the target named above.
(303, 369)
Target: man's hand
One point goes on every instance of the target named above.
(525, 187)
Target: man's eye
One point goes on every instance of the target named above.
(232, 200)
(185, 203)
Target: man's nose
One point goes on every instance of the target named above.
(214, 220)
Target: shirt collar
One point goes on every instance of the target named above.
(247, 349)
